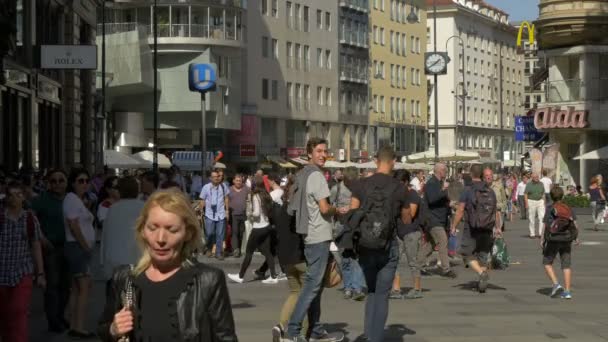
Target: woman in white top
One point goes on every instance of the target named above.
(80, 240)
(260, 236)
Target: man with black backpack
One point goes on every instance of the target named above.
(379, 201)
(478, 205)
(560, 230)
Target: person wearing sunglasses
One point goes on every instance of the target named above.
(49, 210)
(80, 240)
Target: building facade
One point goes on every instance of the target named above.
(572, 38)
(478, 115)
(187, 32)
(398, 107)
(47, 116)
(306, 75)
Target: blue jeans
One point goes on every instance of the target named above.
(309, 301)
(352, 275)
(215, 231)
(379, 268)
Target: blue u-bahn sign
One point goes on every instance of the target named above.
(202, 77)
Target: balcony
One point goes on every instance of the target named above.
(353, 74)
(358, 39)
(577, 90)
(357, 5)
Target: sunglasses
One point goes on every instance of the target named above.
(57, 181)
(83, 181)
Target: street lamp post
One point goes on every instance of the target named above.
(413, 18)
(155, 95)
(464, 91)
(435, 80)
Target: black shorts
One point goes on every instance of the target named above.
(477, 243)
(553, 248)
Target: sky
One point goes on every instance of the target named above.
(518, 9)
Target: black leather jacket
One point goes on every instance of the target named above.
(203, 311)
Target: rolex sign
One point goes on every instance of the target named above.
(68, 57)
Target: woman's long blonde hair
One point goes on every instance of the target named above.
(175, 202)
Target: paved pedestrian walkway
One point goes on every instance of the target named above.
(515, 308)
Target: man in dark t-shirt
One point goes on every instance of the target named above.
(477, 242)
(379, 265)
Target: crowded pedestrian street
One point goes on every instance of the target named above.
(516, 306)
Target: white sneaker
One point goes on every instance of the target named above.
(270, 280)
(281, 276)
(235, 278)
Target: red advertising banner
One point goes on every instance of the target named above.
(247, 150)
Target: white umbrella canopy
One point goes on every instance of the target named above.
(445, 155)
(368, 165)
(332, 164)
(600, 153)
(218, 165)
(114, 159)
(412, 166)
(147, 158)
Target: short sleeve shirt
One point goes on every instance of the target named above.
(74, 209)
(546, 184)
(399, 198)
(214, 196)
(16, 259)
(535, 191)
(319, 226)
(49, 210)
(416, 184)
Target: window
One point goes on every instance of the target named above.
(289, 95)
(392, 40)
(298, 96)
(392, 108)
(417, 45)
(320, 96)
(275, 90)
(382, 70)
(404, 46)
(306, 17)
(468, 64)
(398, 82)
(413, 75)
(307, 99)
(475, 66)
(397, 109)
(328, 59)
(275, 49)
(289, 53)
(289, 14)
(265, 47)
(404, 107)
(319, 19)
(298, 16)
(265, 88)
(397, 43)
(298, 56)
(382, 35)
(328, 21)
(306, 57)
(376, 4)
(328, 97)
(225, 101)
(376, 35)
(412, 44)
(320, 58)
(382, 7)
(413, 107)
(417, 76)
(275, 8)
(264, 6)
(404, 81)
(383, 108)
(392, 75)
(376, 103)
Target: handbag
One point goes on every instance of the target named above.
(332, 277)
(127, 300)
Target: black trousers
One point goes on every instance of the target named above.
(58, 284)
(238, 231)
(259, 239)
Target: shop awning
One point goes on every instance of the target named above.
(281, 162)
(147, 158)
(444, 155)
(117, 160)
(299, 161)
(600, 153)
(191, 161)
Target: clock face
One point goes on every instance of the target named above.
(435, 63)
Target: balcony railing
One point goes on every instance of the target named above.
(574, 90)
(354, 74)
(177, 30)
(353, 37)
(360, 5)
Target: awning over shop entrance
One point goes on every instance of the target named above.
(600, 153)
(281, 162)
(191, 161)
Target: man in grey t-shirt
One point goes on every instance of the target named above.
(316, 251)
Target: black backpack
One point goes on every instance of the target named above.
(377, 226)
(481, 211)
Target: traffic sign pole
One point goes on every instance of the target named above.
(203, 134)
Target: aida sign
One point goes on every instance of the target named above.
(560, 118)
(530, 28)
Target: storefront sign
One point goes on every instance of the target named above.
(550, 159)
(68, 56)
(295, 152)
(560, 118)
(536, 160)
(530, 28)
(341, 154)
(525, 130)
(48, 90)
(247, 150)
